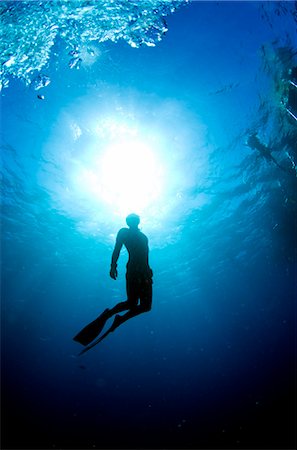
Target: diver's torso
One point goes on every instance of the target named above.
(137, 245)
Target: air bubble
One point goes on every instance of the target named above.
(41, 81)
(75, 63)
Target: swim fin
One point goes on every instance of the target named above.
(91, 331)
(116, 323)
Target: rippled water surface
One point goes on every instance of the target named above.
(184, 112)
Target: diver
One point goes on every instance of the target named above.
(254, 143)
(138, 283)
(290, 101)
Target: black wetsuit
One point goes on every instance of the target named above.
(138, 283)
(139, 273)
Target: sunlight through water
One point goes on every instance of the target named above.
(129, 154)
(126, 176)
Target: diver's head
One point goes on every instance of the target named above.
(133, 221)
(253, 141)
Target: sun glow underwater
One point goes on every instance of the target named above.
(126, 176)
(115, 162)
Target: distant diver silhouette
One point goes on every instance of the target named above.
(138, 284)
(290, 101)
(255, 143)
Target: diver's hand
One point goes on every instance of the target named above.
(113, 273)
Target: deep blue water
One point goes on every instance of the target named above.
(212, 365)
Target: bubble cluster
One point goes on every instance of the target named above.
(29, 29)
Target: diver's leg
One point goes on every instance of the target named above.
(132, 298)
(131, 301)
(281, 167)
(122, 306)
(118, 320)
(146, 295)
(144, 292)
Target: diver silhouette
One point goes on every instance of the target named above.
(254, 143)
(138, 284)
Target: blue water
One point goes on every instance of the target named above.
(212, 365)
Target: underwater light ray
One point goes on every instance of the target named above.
(130, 153)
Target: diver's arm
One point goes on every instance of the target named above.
(147, 262)
(115, 256)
